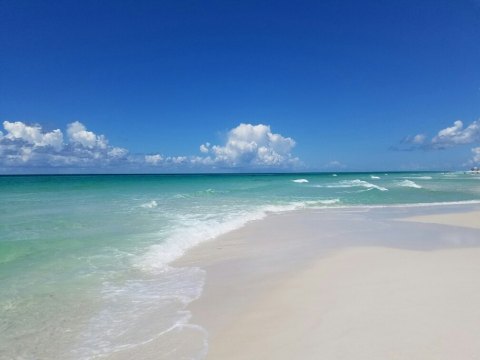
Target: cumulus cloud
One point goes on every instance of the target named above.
(451, 136)
(247, 146)
(29, 145)
(33, 135)
(117, 152)
(178, 159)
(448, 137)
(253, 145)
(457, 135)
(153, 159)
(205, 148)
(78, 135)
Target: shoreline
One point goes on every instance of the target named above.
(263, 290)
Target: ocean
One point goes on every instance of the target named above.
(85, 259)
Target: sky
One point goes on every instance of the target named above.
(234, 86)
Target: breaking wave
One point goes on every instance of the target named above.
(150, 205)
(355, 183)
(419, 177)
(300, 181)
(409, 183)
(193, 230)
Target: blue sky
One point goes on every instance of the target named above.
(141, 85)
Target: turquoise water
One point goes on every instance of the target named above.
(84, 260)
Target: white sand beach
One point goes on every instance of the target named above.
(344, 284)
(469, 219)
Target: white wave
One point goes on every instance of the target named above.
(193, 230)
(374, 177)
(324, 202)
(181, 196)
(409, 183)
(418, 177)
(124, 320)
(355, 183)
(334, 175)
(150, 205)
(300, 181)
(206, 192)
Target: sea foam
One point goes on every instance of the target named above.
(418, 177)
(354, 183)
(192, 230)
(138, 311)
(409, 183)
(150, 205)
(300, 181)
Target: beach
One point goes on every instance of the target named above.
(358, 283)
(239, 266)
(239, 180)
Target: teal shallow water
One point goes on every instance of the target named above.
(84, 259)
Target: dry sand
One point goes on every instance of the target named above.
(343, 285)
(368, 303)
(469, 219)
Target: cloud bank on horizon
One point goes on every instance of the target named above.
(247, 147)
(29, 146)
(456, 135)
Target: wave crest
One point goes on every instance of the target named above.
(419, 177)
(409, 183)
(150, 205)
(356, 183)
(192, 231)
(300, 181)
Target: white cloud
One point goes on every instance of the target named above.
(78, 135)
(28, 145)
(205, 148)
(457, 134)
(246, 146)
(178, 159)
(419, 139)
(412, 142)
(451, 136)
(153, 159)
(117, 152)
(476, 154)
(254, 145)
(201, 161)
(26, 153)
(33, 135)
